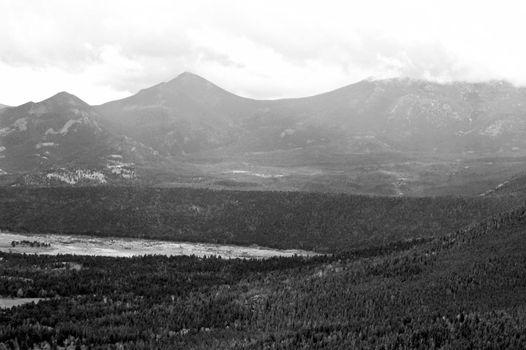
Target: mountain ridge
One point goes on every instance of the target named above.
(58, 140)
(420, 114)
(393, 136)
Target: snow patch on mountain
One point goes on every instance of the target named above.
(68, 125)
(65, 128)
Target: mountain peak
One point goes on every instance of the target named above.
(188, 78)
(65, 98)
(189, 84)
(187, 74)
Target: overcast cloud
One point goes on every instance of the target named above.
(103, 50)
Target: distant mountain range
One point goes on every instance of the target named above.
(190, 118)
(189, 114)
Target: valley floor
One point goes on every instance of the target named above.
(50, 244)
(463, 290)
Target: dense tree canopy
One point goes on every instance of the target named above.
(466, 289)
(316, 221)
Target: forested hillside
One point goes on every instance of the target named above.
(321, 222)
(465, 290)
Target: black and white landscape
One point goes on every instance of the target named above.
(384, 137)
(267, 175)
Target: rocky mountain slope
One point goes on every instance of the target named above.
(59, 140)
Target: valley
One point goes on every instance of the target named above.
(387, 214)
(119, 247)
(322, 222)
(381, 174)
(461, 290)
(262, 175)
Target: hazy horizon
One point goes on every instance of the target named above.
(103, 51)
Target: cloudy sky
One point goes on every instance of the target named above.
(102, 50)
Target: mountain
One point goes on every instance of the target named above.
(59, 140)
(3, 106)
(185, 115)
(386, 137)
(190, 114)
